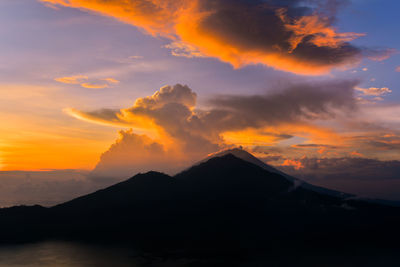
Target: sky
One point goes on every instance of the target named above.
(105, 89)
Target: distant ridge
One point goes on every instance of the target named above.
(223, 204)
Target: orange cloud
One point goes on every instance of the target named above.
(170, 118)
(94, 86)
(77, 79)
(316, 29)
(254, 137)
(181, 132)
(356, 154)
(95, 119)
(84, 81)
(236, 32)
(294, 163)
(111, 80)
(113, 118)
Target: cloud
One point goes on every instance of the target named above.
(133, 153)
(385, 115)
(295, 36)
(314, 146)
(108, 117)
(356, 154)
(373, 91)
(358, 175)
(43, 187)
(385, 141)
(77, 79)
(320, 148)
(297, 165)
(180, 49)
(180, 94)
(94, 86)
(379, 54)
(376, 92)
(314, 30)
(173, 121)
(84, 81)
(295, 103)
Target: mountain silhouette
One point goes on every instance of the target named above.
(229, 202)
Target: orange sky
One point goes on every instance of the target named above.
(74, 73)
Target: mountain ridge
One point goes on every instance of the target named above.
(243, 154)
(223, 203)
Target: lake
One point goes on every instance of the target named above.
(70, 254)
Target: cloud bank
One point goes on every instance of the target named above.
(296, 36)
(362, 176)
(180, 133)
(132, 153)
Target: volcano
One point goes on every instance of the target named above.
(228, 202)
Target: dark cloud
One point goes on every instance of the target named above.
(380, 142)
(351, 168)
(298, 36)
(315, 146)
(362, 176)
(173, 109)
(132, 153)
(187, 134)
(296, 103)
(258, 25)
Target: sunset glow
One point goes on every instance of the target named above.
(98, 85)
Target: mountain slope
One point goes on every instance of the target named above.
(224, 203)
(244, 155)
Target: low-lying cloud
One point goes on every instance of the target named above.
(46, 188)
(362, 176)
(374, 91)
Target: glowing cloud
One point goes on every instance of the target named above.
(281, 34)
(171, 110)
(102, 117)
(315, 30)
(290, 162)
(374, 91)
(84, 81)
(186, 133)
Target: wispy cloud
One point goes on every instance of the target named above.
(173, 108)
(380, 55)
(374, 91)
(85, 82)
(76, 79)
